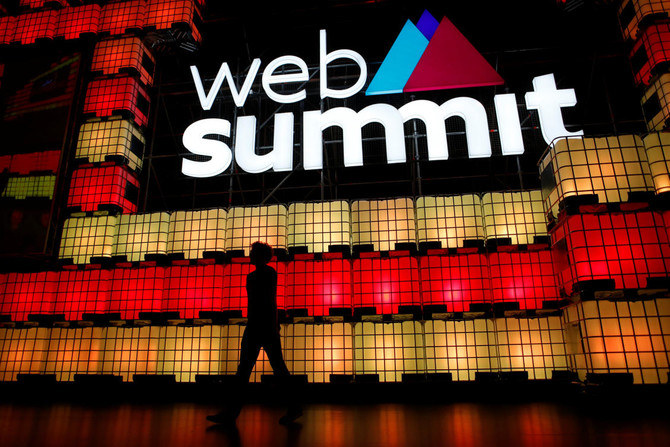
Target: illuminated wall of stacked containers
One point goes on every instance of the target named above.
(570, 278)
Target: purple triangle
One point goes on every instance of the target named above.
(427, 24)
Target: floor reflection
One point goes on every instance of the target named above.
(387, 425)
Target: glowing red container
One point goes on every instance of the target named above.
(119, 16)
(82, 291)
(136, 289)
(625, 247)
(107, 185)
(107, 97)
(192, 288)
(386, 283)
(7, 29)
(526, 277)
(164, 14)
(28, 293)
(73, 22)
(24, 164)
(127, 53)
(235, 284)
(455, 280)
(35, 25)
(318, 285)
(651, 49)
(40, 3)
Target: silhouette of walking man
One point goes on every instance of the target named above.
(262, 331)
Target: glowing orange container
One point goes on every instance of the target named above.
(651, 49)
(526, 277)
(75, 351)
(625, 247)
(107, 97)
(165, 14)
(120, 16)
(619, 337)
(386, 283)
(124, 54)
(7, 29)
(75, 21)
(22, 351)
(657, 145)
(656, 103)
(455, 280)
(82, 291)
(192, 288)
(131, 350)
(28, 293)
(106, 185)
(318, 285)
(633, 12)
(235, 283)
(33, 26)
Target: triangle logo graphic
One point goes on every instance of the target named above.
(432, 56)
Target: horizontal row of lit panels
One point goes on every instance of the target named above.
(461, 347)
(382, 224)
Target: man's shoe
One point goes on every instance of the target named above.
(290, 416)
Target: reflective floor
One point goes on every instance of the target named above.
(388, 425)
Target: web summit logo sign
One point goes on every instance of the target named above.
(425, 56)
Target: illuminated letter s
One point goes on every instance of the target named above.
(195, 142)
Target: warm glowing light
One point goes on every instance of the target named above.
(31, 186)
(195, 232)
(140, 234)
(116, 138)
(84, 237)
(657, 145)
(246, 225)
(113, 56)
(656, 103)
(95, 187)
(449, 219)
(75, 21)
(518, 216)
(383, 223)
(317, 225)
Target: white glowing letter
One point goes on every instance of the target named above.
(195, 142)
(509, 126)
(548, 101)
(207, 100)
(269, 79)
(326, 58)
(476, 124)
(430, 114)
(281, 157)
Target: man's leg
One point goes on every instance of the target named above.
(272, 346)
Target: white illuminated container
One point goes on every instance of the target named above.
(461, 347)
(534, 345)
(515, 215)
(389, 349)
(131, 350)
(246, 225)
(114, 137)
(449, 219)
(383, 223)
(318, 350)
(609, 167)
(657, 145)
(84, 237)
(317, 225)
(141, 234)
(195, 232)
(188, 351)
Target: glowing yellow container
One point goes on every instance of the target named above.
(33, 186)
(247, 225)
(195, 232)
(22, 351)
(449, 219)
(318, 350)
(131, 350)
(623, 336)
(113, 137)
(141, 234)
(632, 12)
(389, 349)
(383, 223)
(84, 237)
(515, 215)
(461, 347)
(75, 351)
(656, 103)
(535, 345)
(317, 225)
(609, 167)
(190, 350)
(657, 145)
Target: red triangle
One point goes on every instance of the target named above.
(450, 61)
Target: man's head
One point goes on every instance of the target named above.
(261, 253)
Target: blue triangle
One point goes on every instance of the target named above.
(427, 24)
(400, 62)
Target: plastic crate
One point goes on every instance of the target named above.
(383, 223)
(124, 54)
(246, 225)
(28, 293)
(138, 235)
(110, 96)
(195, 232)
(656, 103)
(633, 12)
(136, 289)
(657, 146)
(34, 26)
(108, 185)
(7, 29)
(82, 291)
(117, 17)
(31, 186)
(73, 22)
(317, 225)
(235, 284)
(450, 220)
(318, 285)
(517, 216)
(118, 138)
(86, 237)
(22, 351)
